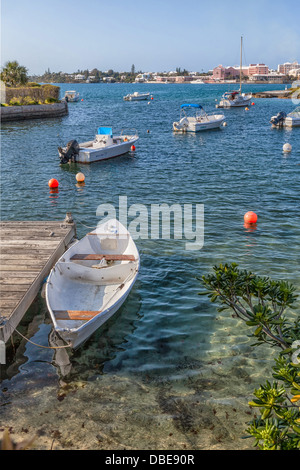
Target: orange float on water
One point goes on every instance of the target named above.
(133, 148)
(80, 177)
(250, 217)
(53, 183)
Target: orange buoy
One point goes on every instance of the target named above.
(80, 177)
(132, 148)
(250, 217)
(247, 109)
(252, 104)
(53, 183)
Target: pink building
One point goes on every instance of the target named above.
(287, 67)
(224, 73)
(258, 69)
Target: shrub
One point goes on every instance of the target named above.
(29, 101)
(16, 101)
(262, 303)
(50, 100)
(33, 84)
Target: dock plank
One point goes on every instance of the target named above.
(28, 251)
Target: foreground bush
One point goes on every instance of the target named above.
(262, 303)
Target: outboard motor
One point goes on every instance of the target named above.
(278, 120)
(69, 153)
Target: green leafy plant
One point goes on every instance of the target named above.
(51, 100)
(16, 101)
(14, 74)
(262, 303)
(29, 101)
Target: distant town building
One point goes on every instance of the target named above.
(258, 69)
(295, 73)
(225, 73)
(287, 67)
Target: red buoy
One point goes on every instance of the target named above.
(133, 148)
(250, 217)
(53, 183)
(253, 104)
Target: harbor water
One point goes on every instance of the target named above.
(168, 371)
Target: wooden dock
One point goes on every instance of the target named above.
(28, 251)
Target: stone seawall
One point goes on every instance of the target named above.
(38, 111)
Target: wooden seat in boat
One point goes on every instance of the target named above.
(93, 256)
(75, 314)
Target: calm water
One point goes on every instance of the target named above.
(168, 371)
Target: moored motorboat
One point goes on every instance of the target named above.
(200, 121)
(71, 96)
(104, 146)
(91, 281)
(282, 119)
(136, 96)
(197, 82)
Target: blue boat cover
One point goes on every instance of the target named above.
(191, 106)
(105, 130)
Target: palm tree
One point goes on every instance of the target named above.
(14, 74)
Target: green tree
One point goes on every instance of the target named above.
(262, 303)
(14, 74)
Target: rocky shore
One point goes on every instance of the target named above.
(273, 94)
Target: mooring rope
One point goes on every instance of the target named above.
(40, 345)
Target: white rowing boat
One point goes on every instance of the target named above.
(91, 281)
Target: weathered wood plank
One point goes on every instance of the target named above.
(28, 251)
(75, 314)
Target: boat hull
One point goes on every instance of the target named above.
(91, 155)
(291, 122)
(82, 293)
(77, 338)
(234, 103)
(195, 126)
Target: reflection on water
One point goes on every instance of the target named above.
(167, 371)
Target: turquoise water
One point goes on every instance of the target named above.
(168, 371)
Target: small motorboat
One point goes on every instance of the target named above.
(104, 146)
(136, 96)
(71, 96)
(200, 121)
(286, 120)
(197, 82)
(91, 281)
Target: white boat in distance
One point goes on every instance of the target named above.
(197, 82)
(71, 95)
(136, 96)
(200, 121)
(91, 281)
(287, 120)
(104, 146)
(236, 99)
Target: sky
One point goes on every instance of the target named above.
(155, 36)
